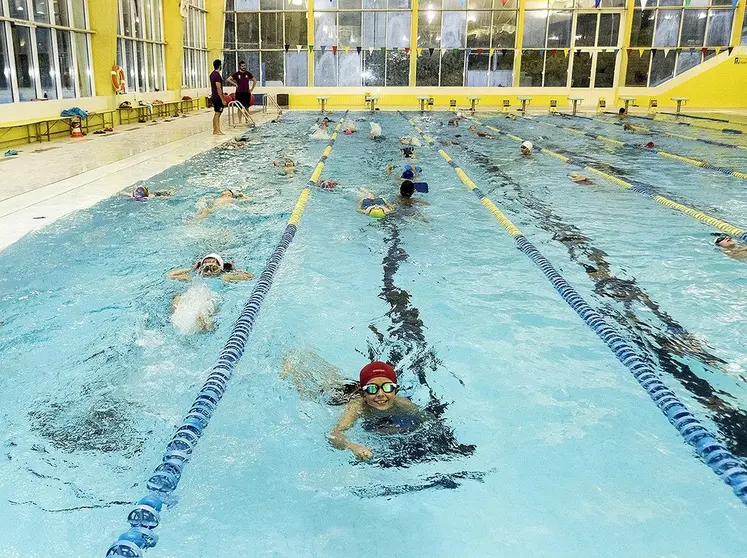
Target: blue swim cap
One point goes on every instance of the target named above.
(408, 175)
(140, 193)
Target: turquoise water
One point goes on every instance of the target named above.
(570, 456)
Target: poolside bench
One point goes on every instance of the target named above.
(40, 128)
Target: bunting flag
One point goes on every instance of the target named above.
(358, 49)
(407, 50)
(654, 51)
(395, 49)
(666, 52)
(479, 51)
(640, 52)
(616, 51)
(692, 50)
(431, 50)
(643, 4)
(629, 51)
(370, 50)
(734, 4)
(346, 49)
(597, 3)
(298, 49)
(492, 50)
(420, 52)
(704, 50)
(383, 50)
(287, 47)
(566, 51)
(323, 49)
(311, 48)
(542, 52)
(578, 52)
(687, 2)
(718, 49)
(469, 51)
(730, 49)
(554, 51)
(504, 2)
(504, 51)
(334, 49)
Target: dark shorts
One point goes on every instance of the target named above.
(218, 105)
(245, 99)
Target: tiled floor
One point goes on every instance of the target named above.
(49, 180)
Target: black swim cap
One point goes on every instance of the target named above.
(407, 188)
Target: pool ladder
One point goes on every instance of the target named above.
(236, 109)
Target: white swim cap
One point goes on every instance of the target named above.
(527, 145)
(213, 255)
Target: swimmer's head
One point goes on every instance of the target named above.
(725, 241)
(140, 193)
(408, 151)
(379, 385)
(621, 112)
(227, 193)
(212, 265)
(526, 147)
(649, 145)
(377, 213)
(408, 174)
(407, 189)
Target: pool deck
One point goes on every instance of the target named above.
(46, 181)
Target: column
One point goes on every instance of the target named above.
(103, 21)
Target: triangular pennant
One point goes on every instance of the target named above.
(597, 2)
(554, 51)
(687, 2)
(504, 52)
(298, 48)
(616, 50)
(346, 49)
(718, 49)
(734, 4)
(640, 52)
(311, 48)
(542, 52)
(420, 52)
(704, 50)
(692, 50)
(287, 47)
(383, 50)
(492, 50)
(504, 2)
(479, 51)
(654, 51)
(395, 49)
(469, 51)
(666, 52)
(323, 49)
(407, 50)
(578, 52)
(566, 51)
(431, 50)
(629, 51)
(589, 53)
(370, 50)
(730, 49)
(643, 4)
(334, 49)
(358, 49)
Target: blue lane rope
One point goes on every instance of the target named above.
(145, 516)
(725, 464)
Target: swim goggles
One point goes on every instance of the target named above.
(373, 389)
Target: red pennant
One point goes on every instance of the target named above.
(407, 50)
(334, 50)
(704, 50)
(554, 51)
(479, 51)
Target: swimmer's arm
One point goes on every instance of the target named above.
(180, 274)
(420, 201)
(337, 438)
(161, 193)
(238, 275)
(125, 194)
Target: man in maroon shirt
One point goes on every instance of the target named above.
(241, 80)
(216, 96)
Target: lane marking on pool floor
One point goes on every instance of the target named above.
(145, 516)
(662, 132)
(640, 187)
(727, 466)
(682, 159)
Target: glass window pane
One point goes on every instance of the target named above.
(427, 68)
(295, 5)
(247, 5)
(502, 69)
(247, 31)
(374, 29)
(229, 64)
(349, 28)
(581, 70)
(41, 11)
(130, 70)
(452, 4)
(399, 4)
(719, 27)
(47, 63)
(504, 29)
(642, 32)
(272, 30)
(670, 2)
(252, 62)
(67, 68)
(126, 8)
(667, 28)
(605, 73)
(325, 29)
(479, 4)
(452, 68)
(397, 69)
(687, 60)
(609, 30)
(477, 70)
(152, 76)
(637, 73)
(6, 91)
(556, 69)
(532, 63)
(296, 69)
(25, 71)
(398, 30)
(272, 66)
(505, 5)
(429, 28)
(374, 4)
(535, 24)
(295, 29)
(349, 69)
(141, 67)
(662, 68)
(325, 68)
(559, 30)
(79, 14)
(349, 4)
(693, 28)
(586, 29)
(18, 9)
(453, 31)
(139, 19)
(478, 30)
(325, 5)
(270, 4)
(229, 32)
(61, 17)
(374, 64)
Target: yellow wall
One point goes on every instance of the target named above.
(214, 30)
(103, 20)
(173, 36)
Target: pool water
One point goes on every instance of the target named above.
(543, 443)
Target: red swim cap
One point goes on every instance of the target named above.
(377, 369)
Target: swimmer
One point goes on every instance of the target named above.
(406, 192)
(622, 113)
(526, 148)
(730, 247)
(287, 164)
(211, 265)
(375, 132)
(324, 123)
(328, 184)
(227, 197)
(141, 193)
(408, 152)
(479, 133)
(373, 206)
(579, 178)
(649, 145)
(453, 122)
(511, 116)
(378, 405)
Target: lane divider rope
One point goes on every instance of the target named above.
(637, 186)
(673, 156)
(727, 466)
(145, 516)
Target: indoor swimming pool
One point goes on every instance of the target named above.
(541, 442)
